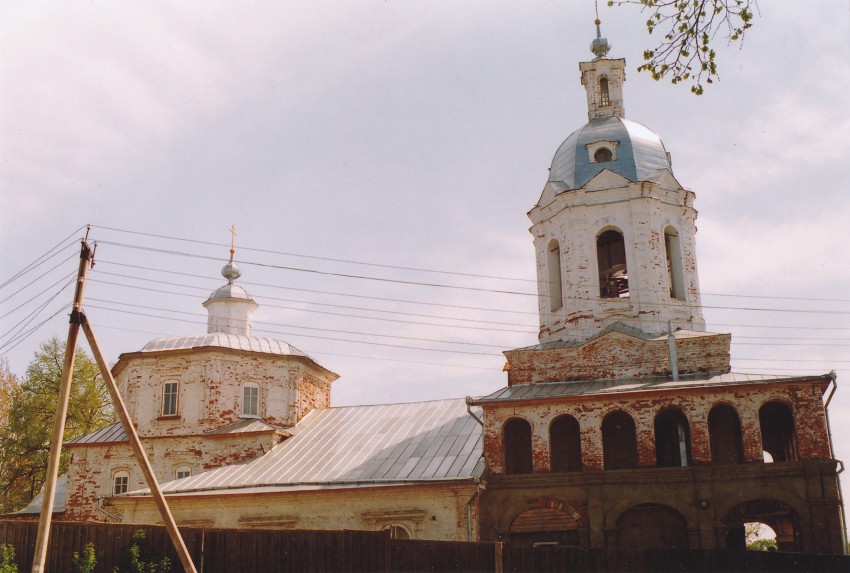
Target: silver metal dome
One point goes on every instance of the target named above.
(637, 155)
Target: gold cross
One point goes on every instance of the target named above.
(232, 239)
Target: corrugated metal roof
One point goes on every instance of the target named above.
(242, 427)
(222, 340)
(590, 387)
(60, 499)
(343, 447)
(111, 433)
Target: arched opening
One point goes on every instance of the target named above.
(652, 526)
(724, 431)
(565, 444)
(603, 155)
(675, 272)
(553, 266)
(544, 526)
(517, 441)
(759, 536)
(672, 439)
(774, 514)
(397, 531)
(604, 94)
(778, 437)
(619, 441)
(613, 272)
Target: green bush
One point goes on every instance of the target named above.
(85, 563)
(139, 558)
(7, 559)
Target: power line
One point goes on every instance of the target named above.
(308, 335)
(426, 270)
(395, 336)
(37, 262)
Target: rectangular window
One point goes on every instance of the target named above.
(250, 401)
(120, 483)
(182, 473)
(169, 399)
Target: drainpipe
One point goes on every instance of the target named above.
(671, 342)
(833, 377)
(469, 411)
(475, 495)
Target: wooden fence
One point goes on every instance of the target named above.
(236, 551)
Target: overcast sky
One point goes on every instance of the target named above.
(406, 134)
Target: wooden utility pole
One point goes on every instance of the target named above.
(138, 450)
(61, 412)
(78, 319)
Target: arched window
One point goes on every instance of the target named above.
(724, 431)
(182, 472)
(397, 531)
(603, 155)
(672, 439)
(675, 273)
(169, 398)
(613, 273)
(605, 96)
(517, 440)
(565, 444)
(120, 482)
(778, 437)
(553, 266)
(251, 400)
(619, 441)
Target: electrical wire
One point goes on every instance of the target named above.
(36, 262)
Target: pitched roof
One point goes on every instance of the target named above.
(60, 499)
(110, 434)
(546, 390)
(351, 446)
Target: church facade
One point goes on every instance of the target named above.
(624, 426)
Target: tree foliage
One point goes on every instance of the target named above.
(28, 426)
(685, 53)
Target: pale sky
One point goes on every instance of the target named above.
(406, 134)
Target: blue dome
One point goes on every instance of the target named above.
(637, 154)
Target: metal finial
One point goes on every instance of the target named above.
(600, 45)
(231, 270)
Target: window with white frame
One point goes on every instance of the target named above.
(120, 482)
(250, 400)
(182, 472)
(169, 399)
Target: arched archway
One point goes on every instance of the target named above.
(724, 431)
(652, 526)
(619, 441)
(516, 437)
(778, 435)
(565, 444)
(544, 525)
(672, 439)
(774, 513)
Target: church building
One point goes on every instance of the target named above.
(624, 425)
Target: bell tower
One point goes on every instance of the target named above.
(614, 231)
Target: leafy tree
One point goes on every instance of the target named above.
(689, 28)
(25, 435)
(762, 545)
(8, 564)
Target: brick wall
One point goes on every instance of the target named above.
(804, 398)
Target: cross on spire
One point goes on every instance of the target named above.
(233, 235)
